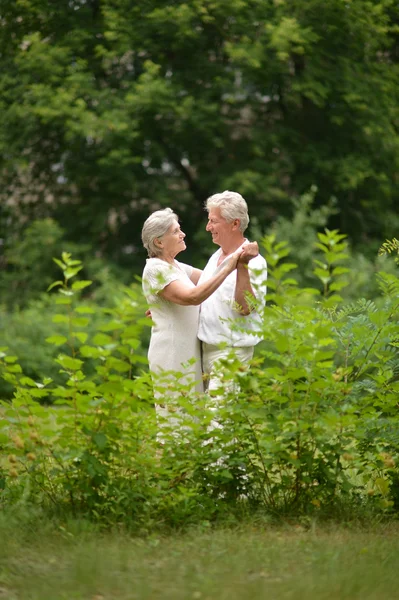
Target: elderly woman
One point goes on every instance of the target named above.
(173, 295)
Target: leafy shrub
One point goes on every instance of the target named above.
(27, 268)
(311, 426)
(300, 232)
(25, 323)
(72, 449)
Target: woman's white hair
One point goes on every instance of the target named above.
(232, 206)
(155, 227)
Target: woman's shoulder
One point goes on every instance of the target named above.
(158, 269)
(156, 264)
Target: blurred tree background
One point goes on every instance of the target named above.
(110, 109)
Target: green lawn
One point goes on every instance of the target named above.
(252, 562)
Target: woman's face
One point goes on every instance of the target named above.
(172, 242)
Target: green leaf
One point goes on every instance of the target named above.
(71, 272)
(57, 340)
(336, 286)
(72, 263)
(118, 365)
(27, 381)
(137, 358)
(89, 310)
(378, 318)
(65, 257)
(14, 369)
(59, 263)
(382, 485)
(58, 318)
(322, 275)
(80, 321)
(282, 344)
(10, 359)
(54, 284)
(69, 363)
(81, 336)
(340, 271)
(132, 342)
(100, 440)
(112, 326)
(89, 352)
(101, 339)
(80, 285)
(65, 300)
(111, 387)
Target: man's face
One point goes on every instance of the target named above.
(220, 229)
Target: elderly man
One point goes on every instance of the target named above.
(230, 319)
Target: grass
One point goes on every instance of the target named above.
(74, 562)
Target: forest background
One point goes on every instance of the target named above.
(112, 109)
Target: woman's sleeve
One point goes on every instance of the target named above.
(157, 277)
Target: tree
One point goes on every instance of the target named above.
(111, 108)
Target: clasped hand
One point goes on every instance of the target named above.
(249, 250)
(243, 255)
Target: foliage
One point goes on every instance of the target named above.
(93, 415)
(27, 267)
(25, 312)
(24, 332)
(27, 264)
(110, 109)
(308, 429)
(301, 231)
(390, 246)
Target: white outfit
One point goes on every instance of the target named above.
(218, 313)
(220, 322)
(174, 333)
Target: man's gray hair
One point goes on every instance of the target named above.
(232, 206)
(155, 227)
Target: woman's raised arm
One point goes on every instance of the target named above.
(179, 293)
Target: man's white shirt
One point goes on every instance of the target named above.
(219, 320)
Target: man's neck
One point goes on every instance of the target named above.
(232, 245)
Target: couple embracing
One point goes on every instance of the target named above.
(200, 317)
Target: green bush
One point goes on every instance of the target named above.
(300, 232)
(26, 312)
(309, 429)
(27, 267)
(24, 332)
